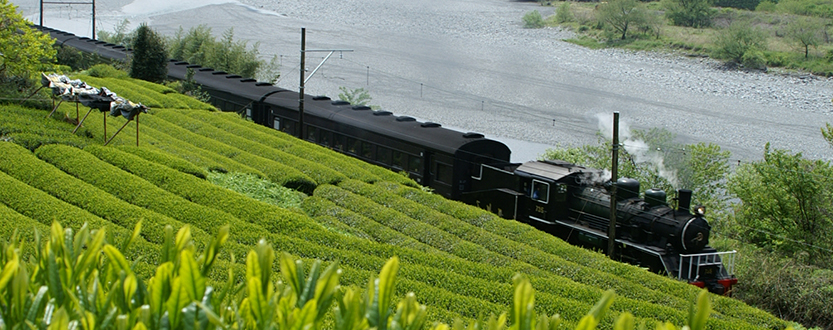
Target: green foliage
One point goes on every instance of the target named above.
(149, 61)
(200, 47)
(564, 14)
(692, 13)
(25, 51)
(620, 16)
(533, 20)
(83, 289)
(733, 42)
(740, 4)
(257, 188)
(105, 71)
(357, 96)
(119, 36)
(817, 8)
(767, 6)
(805, 32)
(77, 60)
(753, 59)
(785, 204)
(794, 290)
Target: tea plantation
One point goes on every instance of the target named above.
(459, 261)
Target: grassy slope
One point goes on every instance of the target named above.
(459, 260)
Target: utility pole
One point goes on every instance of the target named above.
(304, 79)
(301, 94)
(614, 176)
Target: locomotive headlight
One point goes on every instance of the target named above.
(700, 210)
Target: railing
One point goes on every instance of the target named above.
(723, 261)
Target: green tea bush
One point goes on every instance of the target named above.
(24, 166)
(178, 292)
(41, 207)
(279, 173)
(260, 216)
(137, 191)
(316, 171)
(178, 164)
(352, 167)
(105, 71)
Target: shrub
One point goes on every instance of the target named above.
(692, 13)
(533, 20)
(738, 39)
(564, 14)
(178, 164)
(754, 59)
(105, 71)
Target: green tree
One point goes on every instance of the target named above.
(786, 204)
(806, 32)
(693, 13)
(119, 36)
(23, 51)
(149, 60)
(199, 46)
(563, 14)
(358, 96)
(737, 39)
(621, 15)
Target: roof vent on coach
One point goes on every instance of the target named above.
(382, 113)
(263, 83)
(340, 102)
(473, 135)
(361, 107)
(405, 118)
(234, 76)
(217, 73)
(193, 66)
(181, 63)
(205, 69)
(248, 80)
(430, 124)
(321, 98)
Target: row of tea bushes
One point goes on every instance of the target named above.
(231, 123)
(593, 260)
(281, 174)
(256, 215)
(41, 207)
(27, 127)
(168, 160)
(24, 166)
(136, 191)
(318, 172)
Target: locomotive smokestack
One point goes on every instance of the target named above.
(684, 200)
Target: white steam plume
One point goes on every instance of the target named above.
(639, 149)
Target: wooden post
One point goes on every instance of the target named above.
(137, 129)
(611, 234)
(105, 127)
(82, 121)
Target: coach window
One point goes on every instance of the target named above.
(367, 150)
(276, 123)
(414, 164)
(540, 191)
(398, 160)
(289, 128)
(324, 137)
(443, 173)
(338, 141)
(383, 155)
(353, 146)
(311, 134)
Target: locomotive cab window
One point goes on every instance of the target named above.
(540, 191)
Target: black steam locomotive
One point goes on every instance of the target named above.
(563, 199)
